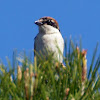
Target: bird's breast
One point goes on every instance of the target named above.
(50, 42)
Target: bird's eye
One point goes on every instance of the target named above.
(49, 20)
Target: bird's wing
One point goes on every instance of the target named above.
(35, 45)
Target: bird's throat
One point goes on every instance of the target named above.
(47, 29)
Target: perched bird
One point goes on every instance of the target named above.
(49, 38)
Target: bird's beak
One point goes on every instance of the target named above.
(38, 22)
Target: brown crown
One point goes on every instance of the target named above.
(50, 21)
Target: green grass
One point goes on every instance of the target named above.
(47, 79)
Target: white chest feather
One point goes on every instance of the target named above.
(50, 41)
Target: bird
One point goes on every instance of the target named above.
(49, 38)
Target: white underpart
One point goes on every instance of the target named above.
(51, 39)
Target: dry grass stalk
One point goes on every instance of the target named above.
(84, 69)
(19, 73)
(66, 93)
(26, 81)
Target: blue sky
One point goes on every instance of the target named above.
(78, 18)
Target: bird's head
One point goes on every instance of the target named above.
(47, 24)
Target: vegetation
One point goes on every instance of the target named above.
(47, 79)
